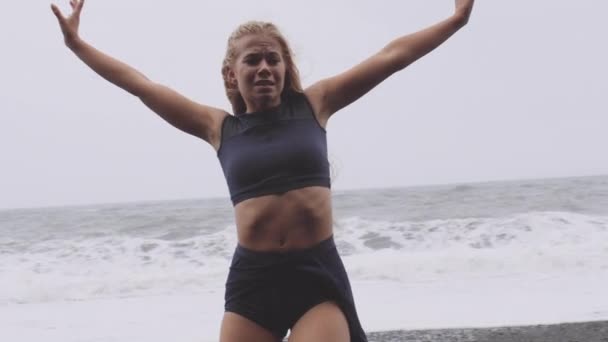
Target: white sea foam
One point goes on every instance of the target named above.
(465, 256)
(525, 245)
(382, 305)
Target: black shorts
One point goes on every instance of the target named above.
(274, 289)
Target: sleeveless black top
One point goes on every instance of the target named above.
(274, 151)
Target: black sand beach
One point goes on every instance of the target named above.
(567, 332)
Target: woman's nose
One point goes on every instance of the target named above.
(264, 68)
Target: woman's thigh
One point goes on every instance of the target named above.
(236, 328)
(324, 322)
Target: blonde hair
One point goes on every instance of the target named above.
(292, 75)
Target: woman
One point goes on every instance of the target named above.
(286, 272)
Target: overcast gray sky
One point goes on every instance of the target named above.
(518, 93)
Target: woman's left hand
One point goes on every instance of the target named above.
(464, 9)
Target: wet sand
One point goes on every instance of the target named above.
(566, 332)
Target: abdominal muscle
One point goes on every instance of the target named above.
(293, 220)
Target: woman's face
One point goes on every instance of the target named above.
(259, 71)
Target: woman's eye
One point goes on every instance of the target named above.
(256, 60)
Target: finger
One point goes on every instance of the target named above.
(73, 4)
(57, 13)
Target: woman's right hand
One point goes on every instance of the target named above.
(69, 25)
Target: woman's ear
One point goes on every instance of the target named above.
(232, 78)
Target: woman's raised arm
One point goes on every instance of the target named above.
(332, 94)
(193, 118)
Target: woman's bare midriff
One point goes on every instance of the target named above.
(293, 220)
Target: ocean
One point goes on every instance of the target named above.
(447, 256)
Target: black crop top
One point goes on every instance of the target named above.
(274, 151)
